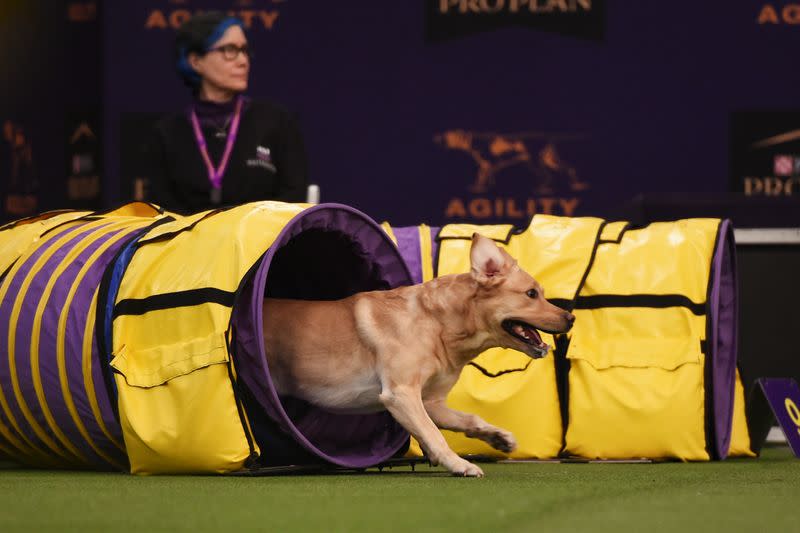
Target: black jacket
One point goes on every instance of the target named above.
(267, 162)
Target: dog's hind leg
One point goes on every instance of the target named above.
(405, 405)
(471, 425)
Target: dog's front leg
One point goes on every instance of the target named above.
(405, 405)
(471, 425)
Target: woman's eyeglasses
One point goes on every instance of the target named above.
(231, 51)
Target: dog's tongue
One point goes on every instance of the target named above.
(529, 334)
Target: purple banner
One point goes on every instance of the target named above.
(783, 396)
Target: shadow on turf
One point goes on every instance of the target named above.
(406, 465)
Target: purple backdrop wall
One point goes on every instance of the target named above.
(487, 126)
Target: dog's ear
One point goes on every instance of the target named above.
(487, 260)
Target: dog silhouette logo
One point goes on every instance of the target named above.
(495, 152)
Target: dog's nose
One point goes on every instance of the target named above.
(570, 318)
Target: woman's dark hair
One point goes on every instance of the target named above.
(195, 36)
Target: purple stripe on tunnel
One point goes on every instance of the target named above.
(24, 324)
(76, 320)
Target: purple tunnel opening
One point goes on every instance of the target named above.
(327, 252)
(724, 317)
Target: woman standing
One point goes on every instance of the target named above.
(226, 149)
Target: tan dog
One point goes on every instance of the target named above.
(403, 349)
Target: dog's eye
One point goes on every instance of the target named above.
(533, 293)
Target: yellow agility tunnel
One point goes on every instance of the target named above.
(649, 369)
(132, 340)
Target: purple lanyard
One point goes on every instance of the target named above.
(215, 174)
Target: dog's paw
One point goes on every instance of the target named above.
(463, 468)
(502, 440)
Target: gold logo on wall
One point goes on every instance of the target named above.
(261, 14)
(780, 14)
(537, 154)
(514, 6)
(494, 152)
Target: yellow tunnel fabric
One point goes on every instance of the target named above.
(740, 436)
(52, 412)
(632, 376)
(171, 330)
(159, 292)
(632, 373)
(16, 237)
(636, 377)
(505, 387)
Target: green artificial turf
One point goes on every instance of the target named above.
(735, 495)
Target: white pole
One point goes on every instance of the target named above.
(312, 194)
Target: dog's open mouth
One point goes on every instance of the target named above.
(527, 334)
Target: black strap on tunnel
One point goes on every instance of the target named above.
(252, 460)
(498, 374)
(562, 368)
(655, 301)
(190, 227)
(561, 364)
(563, 303)
(140, 306)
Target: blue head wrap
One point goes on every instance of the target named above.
(185, 69)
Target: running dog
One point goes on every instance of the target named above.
(403, 349)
